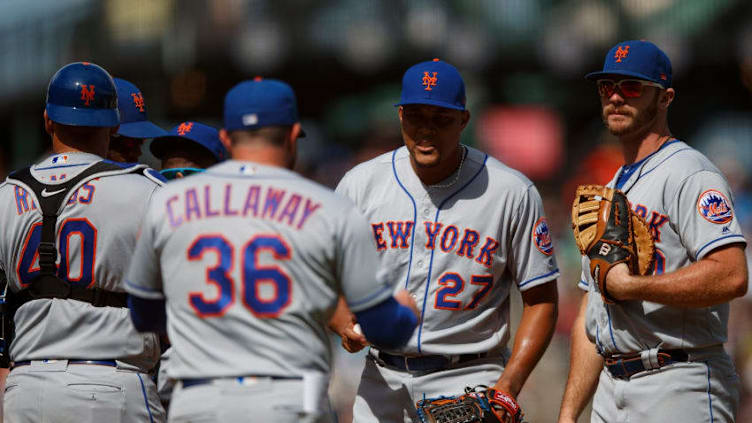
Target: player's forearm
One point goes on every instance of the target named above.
(718, 278)
(584, 367)
(341, 318)
(532, 338)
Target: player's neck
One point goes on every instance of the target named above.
(435, 174)
(638, 147)
(265, 155)
(91, 146)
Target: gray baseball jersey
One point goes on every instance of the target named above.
(689, 206)
(97, 230)
(251, 260)
(458, 249)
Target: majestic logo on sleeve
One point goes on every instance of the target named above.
(621, 53)
(542, 237)
(429, 81)
(713, 206)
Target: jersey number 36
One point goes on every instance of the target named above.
(252, 276)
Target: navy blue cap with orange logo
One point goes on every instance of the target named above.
(133, 121)
(203, 135)
(82, 94)
(435, 83)
(638, 59)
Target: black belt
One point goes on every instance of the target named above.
(110, 363)
(423, 363)
(240, 379)
(626, 366)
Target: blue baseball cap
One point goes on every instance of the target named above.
(435, 83)
(133, 122)
(639, 59)
(203, 135)
(260, 102)
(82, 94)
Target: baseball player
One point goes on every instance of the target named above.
(188, 148)
(76, 356)
(458, 230)
(125, 145)
(250, 259)
(651, 347)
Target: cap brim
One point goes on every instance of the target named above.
(141, 129)
(74, 116)
(432, 103)
(160, 145)
(598, 75)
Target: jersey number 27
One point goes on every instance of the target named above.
(252, 276)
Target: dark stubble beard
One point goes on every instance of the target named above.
(641, 120)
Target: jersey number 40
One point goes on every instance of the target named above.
(252, 276)
(70, 229)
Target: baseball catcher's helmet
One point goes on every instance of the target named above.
(82, 94)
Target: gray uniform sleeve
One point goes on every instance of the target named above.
(705, 211)
(532, 261)
(345, 188)
(144, 278)
(358, 264)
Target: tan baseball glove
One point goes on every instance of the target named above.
(609, 232)
(478, 405)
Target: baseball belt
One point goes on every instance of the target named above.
(187, 383)
(626, 366)
(423, 363)
(110, 363)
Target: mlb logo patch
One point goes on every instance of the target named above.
(542, 237)
(59, 159)
(714, 207)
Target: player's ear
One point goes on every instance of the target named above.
(666, 97)
(399, 112)
(295, 131)
(224, 137)
(48, 124)
(465, 118)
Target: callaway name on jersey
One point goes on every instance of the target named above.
(251, 260)
(688, 205)
(457, 249)
(96, 233)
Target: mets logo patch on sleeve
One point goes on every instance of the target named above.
(542, 237)
(714, 207)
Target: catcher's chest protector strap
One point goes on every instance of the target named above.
(50, 198)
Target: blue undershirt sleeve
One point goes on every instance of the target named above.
(148, 315)
(387, 324)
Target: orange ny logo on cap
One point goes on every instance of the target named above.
(87, 94)
(138, 100)
(429, 81)
(185, 128)
(621, 53)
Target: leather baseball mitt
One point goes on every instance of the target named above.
(609, 232)
(475, 406)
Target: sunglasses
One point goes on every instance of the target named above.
(170, 174)
(629, 88)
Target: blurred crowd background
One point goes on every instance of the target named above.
(523, 62)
